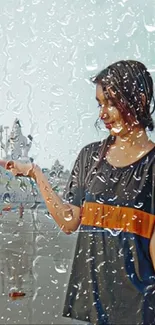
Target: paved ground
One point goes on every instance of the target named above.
(35, 257)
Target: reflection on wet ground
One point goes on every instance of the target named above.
(35, 258)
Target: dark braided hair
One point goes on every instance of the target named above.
(129, 80)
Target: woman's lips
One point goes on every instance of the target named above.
(108, 125)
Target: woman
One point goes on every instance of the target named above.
(110, 194)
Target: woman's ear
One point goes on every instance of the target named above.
(111, 92)
(143, 98)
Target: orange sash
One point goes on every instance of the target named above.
(115, 217)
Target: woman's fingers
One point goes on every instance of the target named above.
(3, 163)
(17, 168)
(9, 164)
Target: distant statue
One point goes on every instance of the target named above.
(57, 169)
(17, 145)
(1, 139)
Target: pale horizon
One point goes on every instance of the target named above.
(49, 51)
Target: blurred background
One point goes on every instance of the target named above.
(48, 52)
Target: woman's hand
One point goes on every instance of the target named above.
(152, 248)
(17, 168)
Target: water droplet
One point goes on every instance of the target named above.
(133, 29)
(6, 198)
(114, 232)
(117, 129)
(90, 62)
(137, 178)
(138, 205)
(1, 32)
(29, 66)
(65, 20)
(149, 28)
(113, 199)
(49, 127)
(99, 266)
(120, 252)
(60, 268)
(127, 13)
(101, 178)
(35, 2)
(57, 90)
(69, 217)
(134, 217)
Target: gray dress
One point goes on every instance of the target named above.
(112, 279)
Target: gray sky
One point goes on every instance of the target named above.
(49, 49)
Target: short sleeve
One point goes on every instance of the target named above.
(74, 192)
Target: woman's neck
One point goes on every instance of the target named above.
(135, 138)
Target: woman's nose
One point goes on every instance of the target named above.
(103, 112)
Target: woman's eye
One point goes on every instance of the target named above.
(110, 103)
(100, 105)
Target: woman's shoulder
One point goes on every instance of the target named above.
(93, 146)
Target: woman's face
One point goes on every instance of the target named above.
(110, 115)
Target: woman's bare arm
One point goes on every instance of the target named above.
(152, 248)
(67, 216)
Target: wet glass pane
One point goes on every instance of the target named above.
(49, 51)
